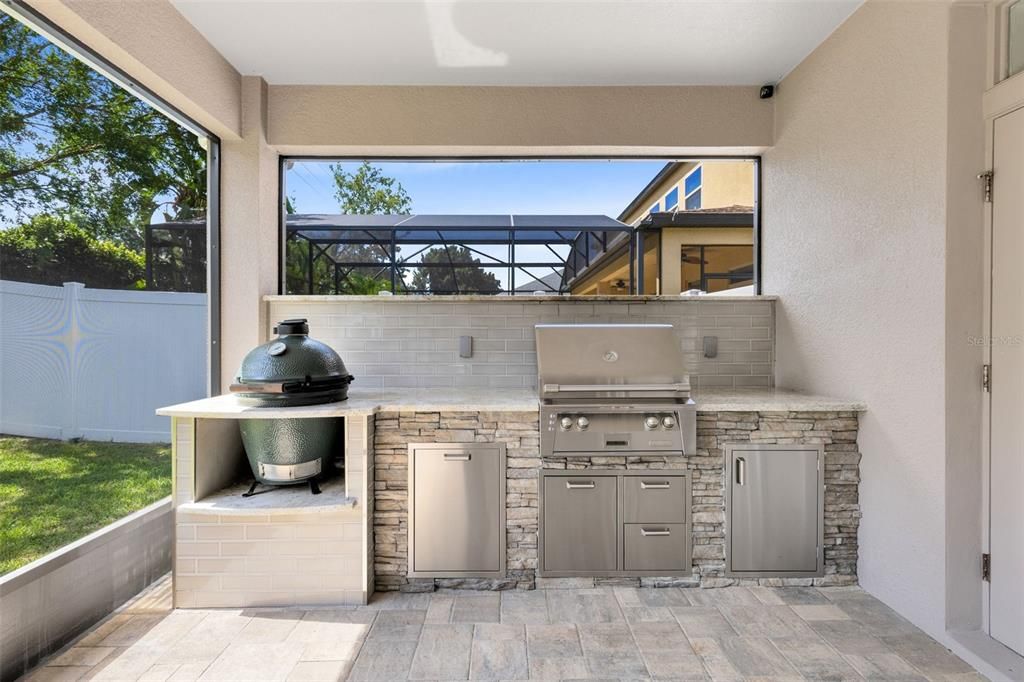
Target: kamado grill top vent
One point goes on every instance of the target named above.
(292, 369)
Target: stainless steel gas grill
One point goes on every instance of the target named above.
(614, 388)
(614, 394)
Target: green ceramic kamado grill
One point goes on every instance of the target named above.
(291, 370)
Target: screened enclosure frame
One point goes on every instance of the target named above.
(386, 234)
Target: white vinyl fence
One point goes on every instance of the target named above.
(95, 363)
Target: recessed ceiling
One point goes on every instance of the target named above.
(514, 42)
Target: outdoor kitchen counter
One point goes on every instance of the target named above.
(770, 400)
(365, 402)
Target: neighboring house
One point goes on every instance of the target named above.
(548, 284)
(696, 219)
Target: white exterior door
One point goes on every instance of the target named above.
(1006, 593)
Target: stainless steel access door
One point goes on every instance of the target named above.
(775, 503)
(581, 523)
(457, 510)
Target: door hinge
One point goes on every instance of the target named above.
(986, 378)
(986, 179)
(986, 567)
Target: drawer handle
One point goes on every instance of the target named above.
(456, 457)
(655, 485)
(741, 471)
(654, 532)
(580, 485)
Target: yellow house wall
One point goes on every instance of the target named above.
(727, 184)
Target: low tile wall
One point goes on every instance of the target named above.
(837, 431)
(412, 342)
(51, 601)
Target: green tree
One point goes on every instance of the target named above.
(465, 274)
(75, 144)
(365, 191)
(52, 250)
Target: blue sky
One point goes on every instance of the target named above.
(572, 187)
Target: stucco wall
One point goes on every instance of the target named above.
(855, 245)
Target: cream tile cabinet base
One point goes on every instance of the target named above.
(289, 548)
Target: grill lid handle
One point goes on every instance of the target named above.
(588, 388)
(293, 326)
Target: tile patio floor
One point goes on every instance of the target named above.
(730, 633)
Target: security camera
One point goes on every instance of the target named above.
(767, 91)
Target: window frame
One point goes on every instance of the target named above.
(52, 32)
(705, 276)
(686, 195)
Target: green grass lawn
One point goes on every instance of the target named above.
(54, 492)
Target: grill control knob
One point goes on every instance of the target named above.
(652, 422)
(566, 423)
(583, 423)
(668, 422)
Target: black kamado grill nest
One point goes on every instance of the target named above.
(289, 371)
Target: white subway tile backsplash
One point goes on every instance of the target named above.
(414, 344)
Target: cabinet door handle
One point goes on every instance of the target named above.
(457, 457)
(580, 485)
(653, 532)
(741, 471)
(655, 485)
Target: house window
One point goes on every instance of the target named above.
(717, 268)
(691, 189)
(1015, 38)
(672, 199)
(656, 207)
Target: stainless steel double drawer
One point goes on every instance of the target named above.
(597, 522)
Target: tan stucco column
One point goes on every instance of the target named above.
(249, 223)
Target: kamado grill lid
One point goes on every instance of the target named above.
(292, 369)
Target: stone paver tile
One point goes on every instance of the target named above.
(173, 628)
(254, 661)
(57, 674)
(553, 641)
(442, 652)
(161, 672)
(584, 606)
(188, 672)
(617, 665)
(599, 638)
(82, 656)
(131, 630)
(814, 659)
(196, 653)
(927, 655)
(703, 622)
(884, 668)
(767, 595)
(674, 665)
(843, 592)
(499, 631)
(876, 616)
(727, 596)
(660, 637)
(128, 663)
(395, 626)
(499, 659)
(342, 625)
(440, 608)
(648, 614)
(524, 606)
(765, 621)
(270, 626)
(331, 650)
(663, 596)
(100, 631)
(628, 597)
(564, 668)
(758, 657)
(477, 608)
(820, 612)
(383, 660)
(319, 671)
(401, 601)
(801, 595)
(849, 637)
(218, 627)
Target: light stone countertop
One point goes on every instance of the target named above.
(282, 499)
(363, 402)
(770, 400)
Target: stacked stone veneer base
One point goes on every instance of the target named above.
(836, 431)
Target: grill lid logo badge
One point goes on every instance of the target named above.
(610, 356)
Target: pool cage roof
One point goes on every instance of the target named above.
(373, 245)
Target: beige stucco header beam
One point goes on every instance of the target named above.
(320, 119)
(157, 46)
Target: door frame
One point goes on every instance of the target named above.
(1005, 97)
